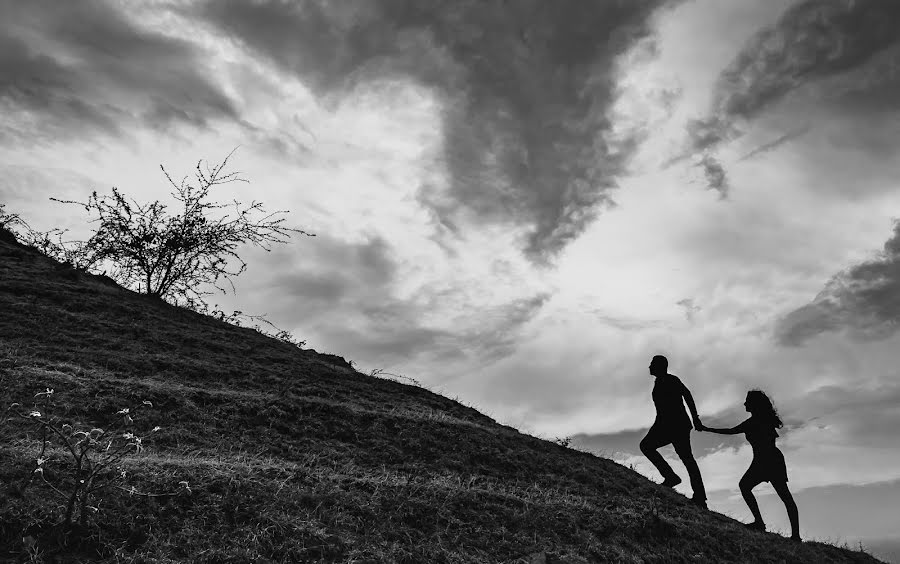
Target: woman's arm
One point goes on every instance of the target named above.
(731, 431)
(736, 430)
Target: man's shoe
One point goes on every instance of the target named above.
(756, 526)
(671, 482)
(796, 538)
(699, 502)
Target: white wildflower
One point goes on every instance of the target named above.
(35, 413)
(155, 429)
(122, 411)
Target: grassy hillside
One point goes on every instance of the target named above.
(292, 456)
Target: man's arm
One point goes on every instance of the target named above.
(692, 407)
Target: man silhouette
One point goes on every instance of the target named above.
(672, 426)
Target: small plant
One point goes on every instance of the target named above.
(9, 220)
(381, 373)
(95, 454)
(238, 318)
(289, 338)
(564, 442)
(76, 254)
(33, 552)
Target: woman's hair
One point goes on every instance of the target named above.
(761, 406)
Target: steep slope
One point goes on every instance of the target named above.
(292, 456)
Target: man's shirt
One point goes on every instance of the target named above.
(668, 392)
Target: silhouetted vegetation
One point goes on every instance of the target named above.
(10, 221)
(179, 258)
(176, 257)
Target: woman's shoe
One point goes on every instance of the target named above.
(756, 526)
(796, 538)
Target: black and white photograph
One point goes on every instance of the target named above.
(450, 281)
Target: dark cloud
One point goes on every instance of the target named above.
(813, 40)
(393, 332)
(626, 323)
(716, 177)
(525, 85)
(869, 415)
(864, 300)
(68, 68)
(36, 83)
(343, 296)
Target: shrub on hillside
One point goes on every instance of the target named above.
(178, 257)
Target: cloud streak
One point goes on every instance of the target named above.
(778, 142)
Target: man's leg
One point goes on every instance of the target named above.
(683, 449)
(649, 444)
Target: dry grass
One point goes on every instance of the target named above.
(292, 456)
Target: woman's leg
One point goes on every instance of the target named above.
(781, 488)
(747, 483)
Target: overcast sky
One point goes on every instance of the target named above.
(519, 202)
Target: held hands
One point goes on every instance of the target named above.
(698, 425)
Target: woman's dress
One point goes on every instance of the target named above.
(768, 462)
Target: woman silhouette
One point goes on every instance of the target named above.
(768, 462)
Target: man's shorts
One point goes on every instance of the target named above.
(662, 435)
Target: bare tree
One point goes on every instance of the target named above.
(175, 257)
